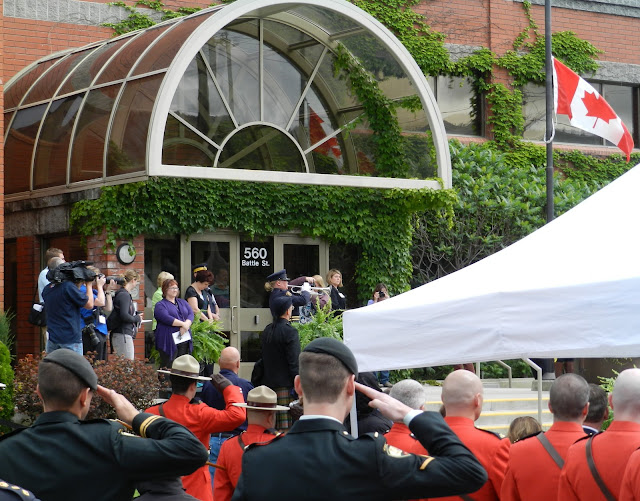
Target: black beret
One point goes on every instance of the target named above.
(281, 304)
(278, 275)
(336, 349)
(75, 363)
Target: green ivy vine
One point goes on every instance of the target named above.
(378, 222)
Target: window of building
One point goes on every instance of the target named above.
(622, 98)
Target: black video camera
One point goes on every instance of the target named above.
(118, 280)
(90, 330)
(75, 271)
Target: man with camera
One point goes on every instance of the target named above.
(64, 300)
(94, 332)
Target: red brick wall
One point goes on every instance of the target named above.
(1, 160)
(28, 256)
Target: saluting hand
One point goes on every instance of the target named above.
(388, 406)
(124, 409)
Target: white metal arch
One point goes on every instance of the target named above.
(261, 9)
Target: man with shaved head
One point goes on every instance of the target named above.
(229, 363)
(462, 396)
(535, 463)
(609, 451)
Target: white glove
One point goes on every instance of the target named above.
(306, 287)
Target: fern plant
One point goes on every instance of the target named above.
(324, 323)
(208, 340)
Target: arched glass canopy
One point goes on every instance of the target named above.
(243, 91)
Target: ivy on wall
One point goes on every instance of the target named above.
(379, 222)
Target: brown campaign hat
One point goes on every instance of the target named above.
(262, 398)
(186, 366)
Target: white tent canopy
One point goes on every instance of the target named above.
(570, 289)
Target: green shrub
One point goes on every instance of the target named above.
(6, 336)
(6, 395)
(135, 379)
(208, 341)
(324, 323)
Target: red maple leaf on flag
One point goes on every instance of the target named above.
(598, 108)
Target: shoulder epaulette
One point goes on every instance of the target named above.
(263, 444)
(17, 490)
(586, 437)
(497, 435)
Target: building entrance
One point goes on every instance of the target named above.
(240, 266)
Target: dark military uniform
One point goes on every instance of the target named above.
(61, 458)
(318, 460)
(296, 299)
(10, 492)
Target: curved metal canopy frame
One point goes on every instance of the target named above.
(214, 20)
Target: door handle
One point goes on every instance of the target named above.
(234, 320)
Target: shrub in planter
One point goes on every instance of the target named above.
(135, 379)
(6, 395)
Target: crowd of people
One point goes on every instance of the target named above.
(222, 437)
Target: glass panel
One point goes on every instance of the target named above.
(301, 260)
(216, 255)
(19, 148)
(421, 163)
(261, 148)
(89, 68)
(50, 165)
(159, 255)
(122, 63)
(535, 122)
(250, 346)
(281, 35)
(234, 60)
(256, 262)
(283, 86)
(334, 87)
(455, 100)
(128, 141)
(620, 98)
(198, 102)
(17, 90)
(377, 60)
(182, 146)
(328, 20)
(165, 49)
(47, 86)
(88, 144)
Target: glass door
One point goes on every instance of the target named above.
(240, 266)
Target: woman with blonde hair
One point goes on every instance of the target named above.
(126, 320)
(334, 280)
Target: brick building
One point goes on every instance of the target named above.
(36, 203)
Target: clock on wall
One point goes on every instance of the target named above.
(124, 254)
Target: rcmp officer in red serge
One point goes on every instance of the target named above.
(278, 283)
(317, 459)
(61, 457)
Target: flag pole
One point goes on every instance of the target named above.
(549, 94)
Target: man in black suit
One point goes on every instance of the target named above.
(318, 460)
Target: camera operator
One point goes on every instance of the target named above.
(64, 300)
(94, 333)
(380, 293)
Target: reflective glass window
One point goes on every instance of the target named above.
(234, 59)
(217, 256)
(18, 148)
(163, 51)
(334, 87)
(47, 86)
(50, 164)
(123, 61)
(198, 102)
(182, 146)
(329, 157)
(91, 129)
(127, 147)
(261, 147)
(328, 20)
(14, 94)
(455, 101)
(87, 70)
(620, 98)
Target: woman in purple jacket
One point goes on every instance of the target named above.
(174, 317)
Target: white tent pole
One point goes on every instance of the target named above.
(539, 371)
(354, 419)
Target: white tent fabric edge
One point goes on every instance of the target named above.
(571, 289)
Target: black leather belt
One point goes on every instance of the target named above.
(224, 434)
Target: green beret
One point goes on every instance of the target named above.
(75, 363)
(336, 349)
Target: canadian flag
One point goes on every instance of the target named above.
(586, 109)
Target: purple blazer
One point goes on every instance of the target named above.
(165, 313)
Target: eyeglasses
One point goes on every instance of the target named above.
(174, 288)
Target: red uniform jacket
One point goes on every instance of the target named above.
(611, 451)
(532, 474)
(230, 458)
(400, 436)
(202, 421)
(488, 448)
(630, 487)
